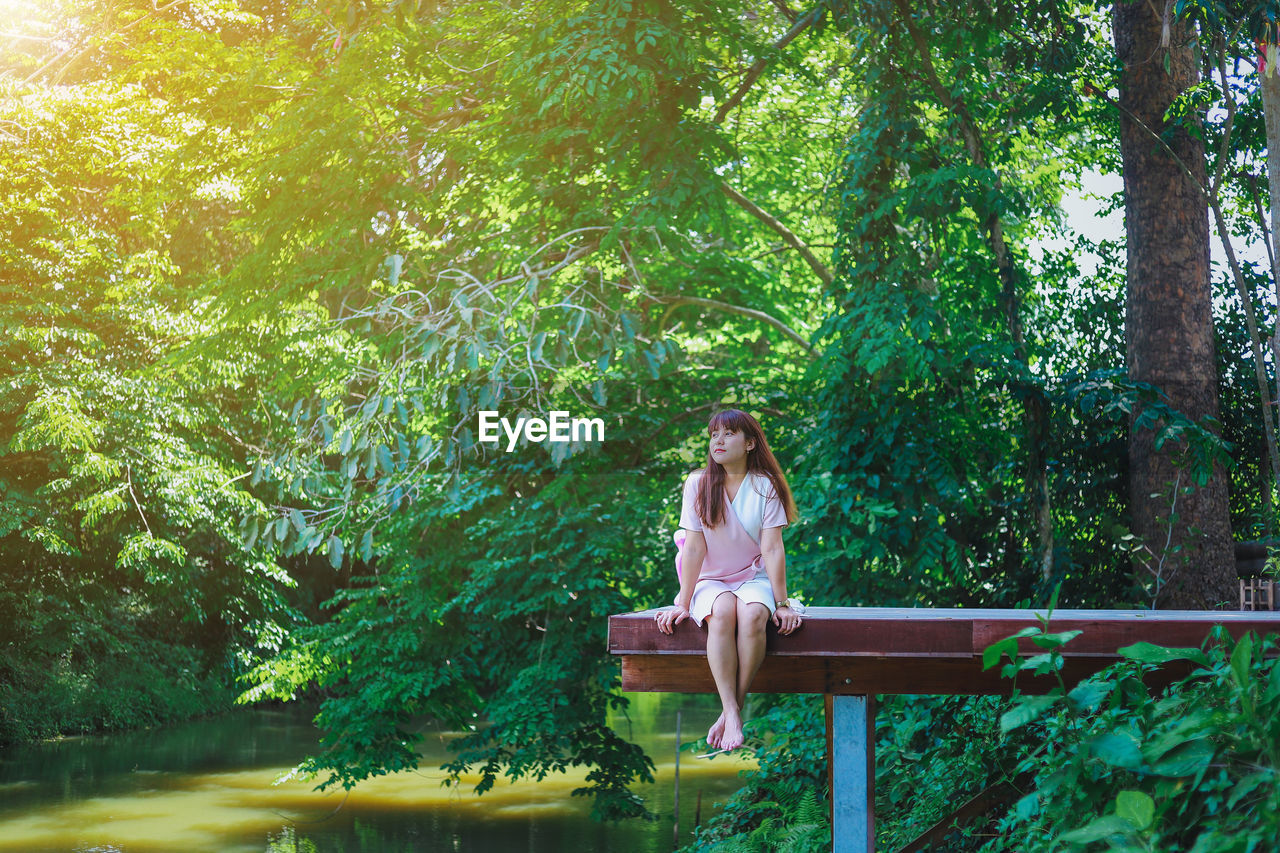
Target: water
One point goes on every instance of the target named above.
(211, 785)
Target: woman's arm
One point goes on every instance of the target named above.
(775, 563)
(692, 555)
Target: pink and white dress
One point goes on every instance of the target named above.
(733, 562)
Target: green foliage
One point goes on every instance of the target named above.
(1241, 411)
(950, 370)
(263, 264)
(348, 231)
(782, 805)
(1190, 767)
(103, 666)
(121, 452)
(542, 257)
(485, 609)
(933, 753)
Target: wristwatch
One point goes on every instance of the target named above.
(792, 603)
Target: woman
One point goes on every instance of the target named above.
(733, 572)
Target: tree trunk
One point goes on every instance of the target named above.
(1188, 559)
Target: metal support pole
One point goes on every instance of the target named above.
(852, 721)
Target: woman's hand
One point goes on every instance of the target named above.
(786, 619)
(669, 617)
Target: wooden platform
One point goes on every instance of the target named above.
(871, 650)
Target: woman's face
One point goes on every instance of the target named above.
(729, 447)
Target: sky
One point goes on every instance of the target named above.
(1083, 207)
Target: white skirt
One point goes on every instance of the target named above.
(756, 590)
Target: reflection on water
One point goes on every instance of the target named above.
(208, 786)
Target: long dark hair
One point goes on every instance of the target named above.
(709, 502)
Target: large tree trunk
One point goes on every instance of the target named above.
(1168, 321)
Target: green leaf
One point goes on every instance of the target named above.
(1249, 784)
(1042, 664)
(1272, 691)
(1053, 641)
(1007, 646)
(1241, 658)
(1098, 829)
(1028, 709)
(991, 654)
(1117, 749)
(1156, 747)
(251, 533)
(1186, 759)
(652, 364)
(335, 552)
(1089, 694)
(1145, 652)
(1028, 806)
(1136, 807)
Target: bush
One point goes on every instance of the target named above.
(1190, 768)
(103, 675)
(783, 804)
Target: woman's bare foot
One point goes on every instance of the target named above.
(733, 736)
(716, 732)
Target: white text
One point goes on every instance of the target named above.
(560, 427)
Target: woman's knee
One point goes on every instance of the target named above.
(752, 617)
(724, 613)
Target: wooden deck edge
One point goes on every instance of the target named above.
(861, 676)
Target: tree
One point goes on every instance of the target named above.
(551, 216)
(1169, 324)
(122, 456)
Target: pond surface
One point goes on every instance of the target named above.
(211, 785)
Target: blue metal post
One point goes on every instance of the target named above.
(853, 744)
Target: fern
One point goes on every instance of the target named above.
(809, 810)
(805, 838)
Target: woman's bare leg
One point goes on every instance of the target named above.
(753, 618)
(722, 657)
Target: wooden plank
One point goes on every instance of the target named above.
(1000, 794)
(849, 676)
(690, 674)
(954, 633)
(825, 630)
(853, 651)
(1105, 632)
